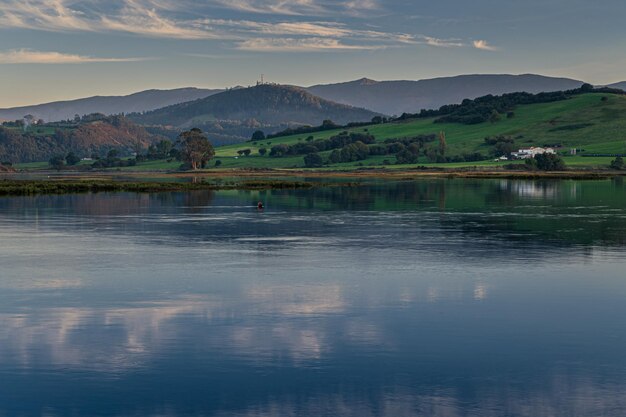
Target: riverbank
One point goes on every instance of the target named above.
(9, 187)
(369, 172)
(252, 179)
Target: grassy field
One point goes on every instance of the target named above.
(585, 122)
(595, 123)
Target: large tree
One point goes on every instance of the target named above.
(195, 148)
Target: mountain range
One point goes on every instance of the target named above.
(138, 102)
(386, 97)
(232, 115)
(397, 97)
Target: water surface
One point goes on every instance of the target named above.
(428, 298)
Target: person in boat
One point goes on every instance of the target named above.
(260, 205)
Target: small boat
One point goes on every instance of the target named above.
(260, 205)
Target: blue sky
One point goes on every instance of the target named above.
(63, 49)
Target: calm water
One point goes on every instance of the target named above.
(434, 298)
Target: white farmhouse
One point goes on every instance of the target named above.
(527, 153)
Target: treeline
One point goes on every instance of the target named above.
(491, 108)
(192, 148)
(357, 147)
(302, 130)
(352, 147)
(321, 145)
(326, 125)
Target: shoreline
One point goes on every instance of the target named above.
(53, 182)
(325, 173)
(14, 188)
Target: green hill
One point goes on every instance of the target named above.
(593, 123)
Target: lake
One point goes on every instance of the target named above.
(419, 298)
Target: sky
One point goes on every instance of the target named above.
(63, 49)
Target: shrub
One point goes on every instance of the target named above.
(617, 163)
(313, 160)
(549, 162)
(258, 135)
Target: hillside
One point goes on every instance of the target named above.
(266, 107)
(138, 102)
(39, 143)
(593, 123)
(397, 97)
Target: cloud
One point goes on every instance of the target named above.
(298, 7)
(49, 14)
(443, 43)
(141, 17)
(185, 20)
(247, 28)
(299, 45)
(27, 56)
(484, 45)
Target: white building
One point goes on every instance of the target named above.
(527, 153)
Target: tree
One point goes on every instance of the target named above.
(175, 153)
(494, 116)
(57, 162)
(72, 159)
(163, 148)
(442, 143)
(195, 148)
(406, 157)
(152, 152)
(504, 148)
(313, 160)
(329, 124)
(262, 151)
(586, 87)
(335, 156)
(617, 163)
(549, 162)
(258, 135)
(279, 150)
(218, 162)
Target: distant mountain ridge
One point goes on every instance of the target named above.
(397, 97)
(137, 102)
(620, 85)
(386, 97)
